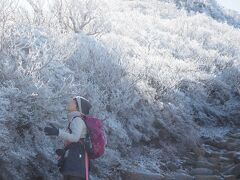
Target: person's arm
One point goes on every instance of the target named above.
(76, 126)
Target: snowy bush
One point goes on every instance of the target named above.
(156, 75)
(81, 16)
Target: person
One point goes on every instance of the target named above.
(75, 162)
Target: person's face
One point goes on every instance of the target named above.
(72, 105)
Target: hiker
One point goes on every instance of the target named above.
(73, 159)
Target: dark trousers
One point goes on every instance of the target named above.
(72, 178)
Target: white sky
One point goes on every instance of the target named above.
(230, 4)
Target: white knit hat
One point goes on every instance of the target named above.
(83, 104)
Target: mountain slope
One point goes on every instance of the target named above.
(159, 77)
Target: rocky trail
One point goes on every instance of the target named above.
(218, 159)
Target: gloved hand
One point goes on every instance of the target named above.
(51, 131)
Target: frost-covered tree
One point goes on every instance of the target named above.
(159, 78)
(81, 16)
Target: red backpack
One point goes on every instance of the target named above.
(95, 140)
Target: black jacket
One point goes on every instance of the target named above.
(75, 161)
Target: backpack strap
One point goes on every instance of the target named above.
(70, 124)
(83, 117)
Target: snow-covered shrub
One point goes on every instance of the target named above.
(81, 16)
(157, 79)
(211, 8)
(34, 87)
